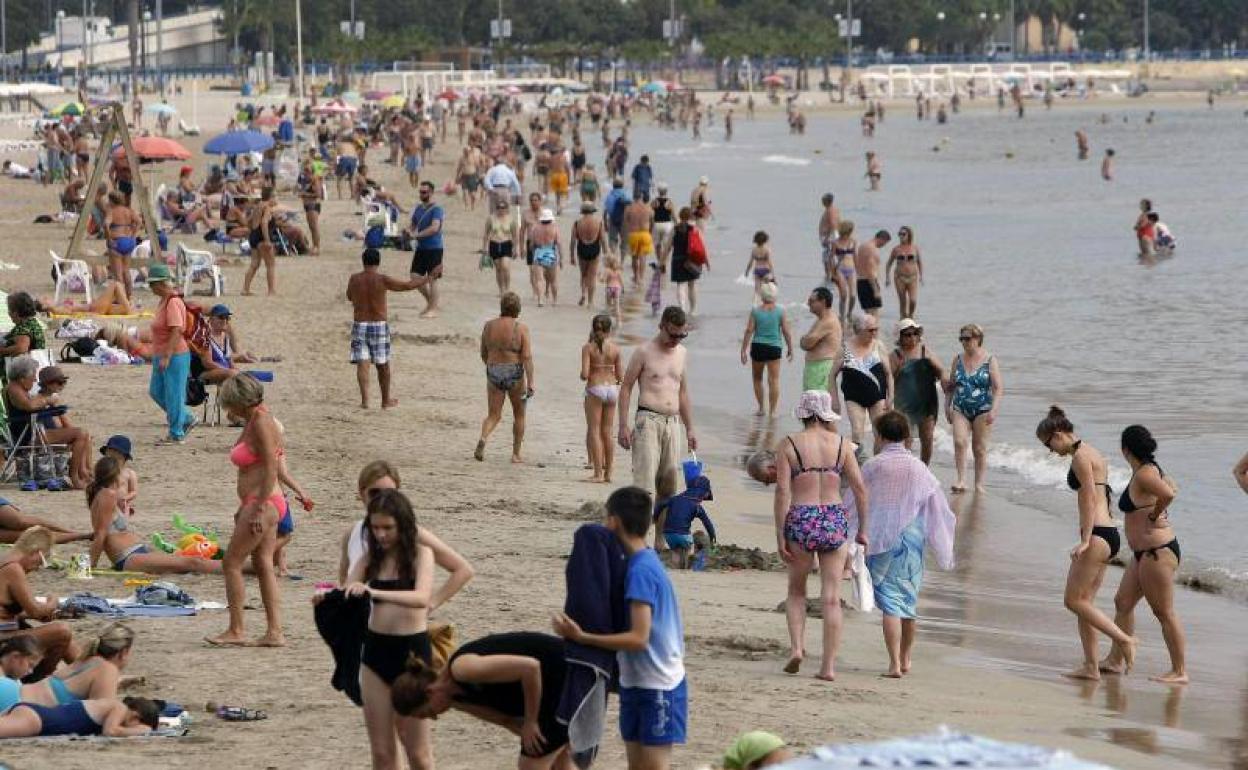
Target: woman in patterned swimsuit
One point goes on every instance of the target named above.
(973, 397)
(810, 520)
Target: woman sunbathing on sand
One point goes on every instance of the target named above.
(110, 299)
(113, 536)
(95, 675)
(13, 523)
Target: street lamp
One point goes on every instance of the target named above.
(60, 44)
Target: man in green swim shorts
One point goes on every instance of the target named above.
(822, 343)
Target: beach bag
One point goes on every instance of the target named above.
(163, 593)
(375, 238)
(195, 327)
(75, 351)
(697, 247)
(486, 262)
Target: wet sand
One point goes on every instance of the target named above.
(513, 523)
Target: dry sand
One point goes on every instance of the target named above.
(513, 522)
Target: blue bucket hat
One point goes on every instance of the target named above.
(120, 444)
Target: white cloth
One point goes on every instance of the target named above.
(356, 547)
(501, 175)
(900, 488)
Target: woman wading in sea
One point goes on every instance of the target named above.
(1098, 540)
(1145, 504)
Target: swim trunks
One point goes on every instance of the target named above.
(640, 244)
(867, 298)
(815, 374)
(425, 261)
(559, 182)
(370, 341)
(125, 245)
(411, 164)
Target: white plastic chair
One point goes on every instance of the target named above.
(187, 130)
(67, 272)
(193, 264)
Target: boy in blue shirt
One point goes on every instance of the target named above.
(673, 520)
(654, 702)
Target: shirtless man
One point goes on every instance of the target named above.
(867, 266)
(828, 222)
(347, 164)
(1081, 144)
(657, 369)
(1107, 166)
(370, 330)
(638, 219)
(874, 171)
(559, 174)
(822, 343)
(410, 144)
(529, 218)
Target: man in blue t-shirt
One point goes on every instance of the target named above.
(613, 208)
(654, 700)
(426, 228)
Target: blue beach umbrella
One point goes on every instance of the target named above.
(654, 88)
(238, 142)
(161, 108)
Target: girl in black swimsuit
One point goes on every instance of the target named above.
(1150, 575)
(396, 573)
(1098, 541)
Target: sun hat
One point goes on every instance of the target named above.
(749, 748)
(158, 274)
(120, 444)
(662, 187)
(704, 180)
(907, 324)
(816, 403)
(220, 311)
(547, 216)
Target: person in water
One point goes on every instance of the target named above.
(1145, 504)
(1098, 540)
(973, 394)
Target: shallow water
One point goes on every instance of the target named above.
(1037, 249)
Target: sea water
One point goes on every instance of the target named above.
(1020, 237)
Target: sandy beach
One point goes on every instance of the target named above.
(513, 522)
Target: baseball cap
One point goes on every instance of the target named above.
(220, 311)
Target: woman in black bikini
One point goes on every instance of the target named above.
(1150, 575)
(1098, 541)
(396, 573)
(263, 241)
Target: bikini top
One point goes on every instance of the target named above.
(397, 584)
(834, 470)
(1072, 480)
(243, 456)
(1125, 503)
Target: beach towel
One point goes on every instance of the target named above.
(342, 621)
(595, 582)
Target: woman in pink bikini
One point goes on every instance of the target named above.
(258, 456)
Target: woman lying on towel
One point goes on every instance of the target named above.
(97, 673)
(135, 341)
(112, 535)
(109, 299)
(109, 717)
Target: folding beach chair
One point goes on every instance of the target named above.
(29, 455)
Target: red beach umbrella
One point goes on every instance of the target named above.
(155, 148)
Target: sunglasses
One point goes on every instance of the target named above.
(911, 333)
(676, 335)
(965, 338)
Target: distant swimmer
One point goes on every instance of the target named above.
(1107, 166)
(1209, 98)
(1081, 143)
(942, 116)
(874, 171)
(1145, 232)
(728, 126)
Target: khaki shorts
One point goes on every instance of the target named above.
(658, 442)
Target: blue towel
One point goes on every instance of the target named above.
(595, 580)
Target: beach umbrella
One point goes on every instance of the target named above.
(267, 119)
(161, 108)
(152, 149)
(394, 102)
(376, 96)
(654, 87)
(449, 95)
(69, 108)
(773, 80)
(512, 90)
(238, 143)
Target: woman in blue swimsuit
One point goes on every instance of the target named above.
(972, 398)
(107, 716)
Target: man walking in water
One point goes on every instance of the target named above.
(658, 370)
(867, 266)
(828, 221)
(822, 343)
(370, 330)
(638, 219)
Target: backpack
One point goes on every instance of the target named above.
(697, 247)
(375, 237)
(74, 351)
(195, 326)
